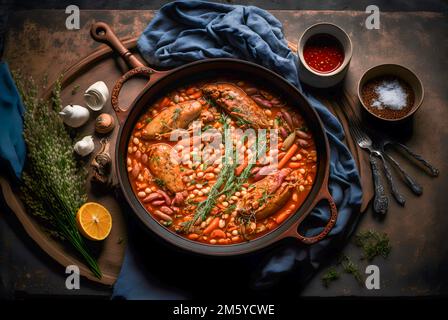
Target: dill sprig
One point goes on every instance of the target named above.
(53, 184)
(373, 244)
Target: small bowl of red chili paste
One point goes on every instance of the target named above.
(324, 52)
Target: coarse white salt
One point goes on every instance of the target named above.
(390, 95)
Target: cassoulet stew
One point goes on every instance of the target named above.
(221, 161)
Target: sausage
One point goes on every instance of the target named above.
(178, 116)
(163, 168)
(237, 103)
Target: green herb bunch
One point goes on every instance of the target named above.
(53, 184)
(373, 244)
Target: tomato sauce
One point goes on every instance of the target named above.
(323, 53)
(223, 225)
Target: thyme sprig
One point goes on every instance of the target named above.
(330, 275)
(53, 184)
(373, 244)
(351, 268)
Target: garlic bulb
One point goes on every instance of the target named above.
(84, 146)
(96, 95)
(74, 115)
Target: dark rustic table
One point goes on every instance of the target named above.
(38, 41)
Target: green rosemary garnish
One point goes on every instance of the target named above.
(156, 159)
(230, 208)
(159, 182)
(264, 197)
(223, 119)
(373, 244)
(176, 113)
(207, 127)
(148, 120)
(278, 122)
(227, 171)
(242, 122)
(211, 102)
(53, 183)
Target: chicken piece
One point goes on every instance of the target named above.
(178, 116)
(162, 167)
(237, 103)
(267, 196)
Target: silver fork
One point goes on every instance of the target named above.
(380, 201)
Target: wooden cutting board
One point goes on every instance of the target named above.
(100, 65)
(106, 66)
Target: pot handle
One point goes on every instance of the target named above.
(139, 71)
(294, 232)
(102, 32)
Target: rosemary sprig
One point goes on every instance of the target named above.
(53, 185)
(264, 197)
(176, 114)
(204, 207)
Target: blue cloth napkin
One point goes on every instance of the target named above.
(185, 31)
(12, 145)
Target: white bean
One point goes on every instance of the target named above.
(141, 194)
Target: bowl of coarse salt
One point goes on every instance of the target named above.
(390, 92)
